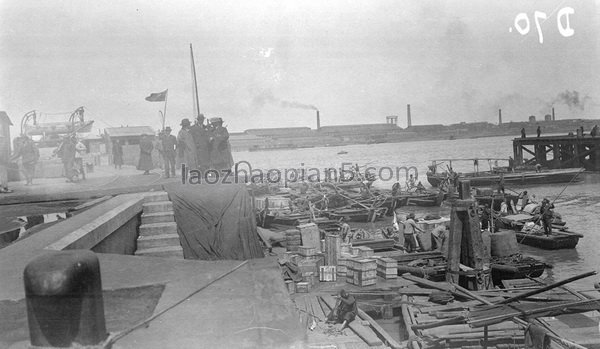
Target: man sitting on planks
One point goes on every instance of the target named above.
(345, 310)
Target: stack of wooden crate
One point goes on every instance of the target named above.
(361, 272)
(387, 268)
(342, 266)
(293, 240)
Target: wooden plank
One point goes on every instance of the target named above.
(408, 323)
(383, 334)
(365, 333)
(84, 194)
(263, 237)
(317, 311)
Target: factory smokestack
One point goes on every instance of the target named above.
(553, 118)
(408, 119)
(318, 121)
(499, 116)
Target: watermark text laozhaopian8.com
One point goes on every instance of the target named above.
(243, 172)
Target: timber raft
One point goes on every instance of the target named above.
(559, 151)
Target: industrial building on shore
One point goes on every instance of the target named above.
(390, 132)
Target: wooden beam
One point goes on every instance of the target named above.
(383, 334)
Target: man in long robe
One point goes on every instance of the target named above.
(145, 164)
(169, 143)
(117, 152)
(220, 154)
(186, 148)
(201, 137)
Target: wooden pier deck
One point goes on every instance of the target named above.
(558, 151)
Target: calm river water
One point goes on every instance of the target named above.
(579, 204)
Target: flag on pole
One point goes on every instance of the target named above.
(157, 97)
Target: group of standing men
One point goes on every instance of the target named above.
(199, 146)
(202, 146)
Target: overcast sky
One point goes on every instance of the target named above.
(266, 63)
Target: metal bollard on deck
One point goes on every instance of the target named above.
(64, 300)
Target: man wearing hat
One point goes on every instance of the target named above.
(186, 147)
(169, 143)
(345, 310)
(202, 140)
(220, 154)
(547, 215)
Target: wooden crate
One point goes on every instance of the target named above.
(327, 273)
(305, 266)
(307, 251)
(387, 262)
(390, 273)
(302, 287)
(364, 264)
(291, 286)
(365, 251)
(311, 236)
(361, 279)
(355, 251)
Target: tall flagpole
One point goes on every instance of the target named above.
(165, 110)
(195, 84)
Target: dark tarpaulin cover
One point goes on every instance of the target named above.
(215, 221)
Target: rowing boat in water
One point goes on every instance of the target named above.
(560, 238)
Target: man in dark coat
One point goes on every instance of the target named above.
(547, 215)
(30, 155)
(186, 148)
(501, 183)
(66, 151)
(485, 215)
(523, 135)
(201, 137)
(220, 154)
(345, 310)
(169, 144)
(539, 131)
(145, 164)
(117, 152)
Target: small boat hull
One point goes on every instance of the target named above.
(555, 241)
(510, 178)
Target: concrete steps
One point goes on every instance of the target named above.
(160, 240)
(175, 252)
(158, 206)
(158, 229)
(158, 235)
(158, 217)
(156, 196)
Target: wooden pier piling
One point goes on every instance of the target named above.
(558, 151)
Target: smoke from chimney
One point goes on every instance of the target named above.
(571, 99)
(267, 98)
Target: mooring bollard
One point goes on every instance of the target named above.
(64, 300)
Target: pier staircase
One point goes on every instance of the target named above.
(158, 232)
